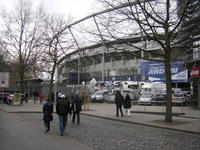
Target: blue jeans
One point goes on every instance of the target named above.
(35, 99)
(62, 122)
(78, 117)
(117, 111)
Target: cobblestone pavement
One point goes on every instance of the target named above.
(103, 134)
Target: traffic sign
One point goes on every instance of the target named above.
(4, 79)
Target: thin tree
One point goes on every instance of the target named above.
(155, 20)
(56, 45)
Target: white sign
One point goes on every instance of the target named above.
(4, 79)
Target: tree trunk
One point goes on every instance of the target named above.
(21, 90)
(168, 116)
(51, 82)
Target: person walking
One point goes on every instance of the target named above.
(119, 102)
(76, 108)
(127, 105)
(62, 109)
(35, 95)
(47, 111)
(41, 97)
(26, 96)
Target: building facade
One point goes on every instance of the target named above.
(190, 42)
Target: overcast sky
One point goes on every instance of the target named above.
(77, 8)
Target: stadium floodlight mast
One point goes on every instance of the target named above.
(104, 45)
(78, 54)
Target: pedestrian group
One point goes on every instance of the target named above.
(63, 108)
(120, 101)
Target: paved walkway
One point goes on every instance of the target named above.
(185, 119)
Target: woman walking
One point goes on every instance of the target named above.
(47, 111)
(127, 105)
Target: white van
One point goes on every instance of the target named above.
(130, 92)
(154, 88)
(99, 96)
(135, 86)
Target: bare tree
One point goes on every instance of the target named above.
(57, 44)
(3, 56)
(154, 20)
(23, 30)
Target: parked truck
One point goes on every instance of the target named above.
(154, 88)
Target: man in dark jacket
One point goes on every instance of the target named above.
(47, 111)
(119, 102)
(35, 95)
(76, 108)
(62, 109)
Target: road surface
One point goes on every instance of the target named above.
(16, 134)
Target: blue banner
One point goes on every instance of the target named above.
(155, 71)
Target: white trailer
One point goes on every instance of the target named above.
(133, 85)
(154, 88)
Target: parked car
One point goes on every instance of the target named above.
(178, 99)
(145, 98)
(110, 98)
(99, 96)
(130, 92)
(3, 97)
(10, 98)
(160, 99)
(187, 96)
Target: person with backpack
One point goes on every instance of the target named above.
(47, 111)
(76, 108)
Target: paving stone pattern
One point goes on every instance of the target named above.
(103, 134)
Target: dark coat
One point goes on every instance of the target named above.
(63, 107)
(127, 102)
(119, 99)
(47, 111)
(35, 93)
(76, 104)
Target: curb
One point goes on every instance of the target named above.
(144, 124)
(115, 119)
(157, 113)
(192, 117)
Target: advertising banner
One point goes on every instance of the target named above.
(4, 79)
(155, 71)
(195, 72)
